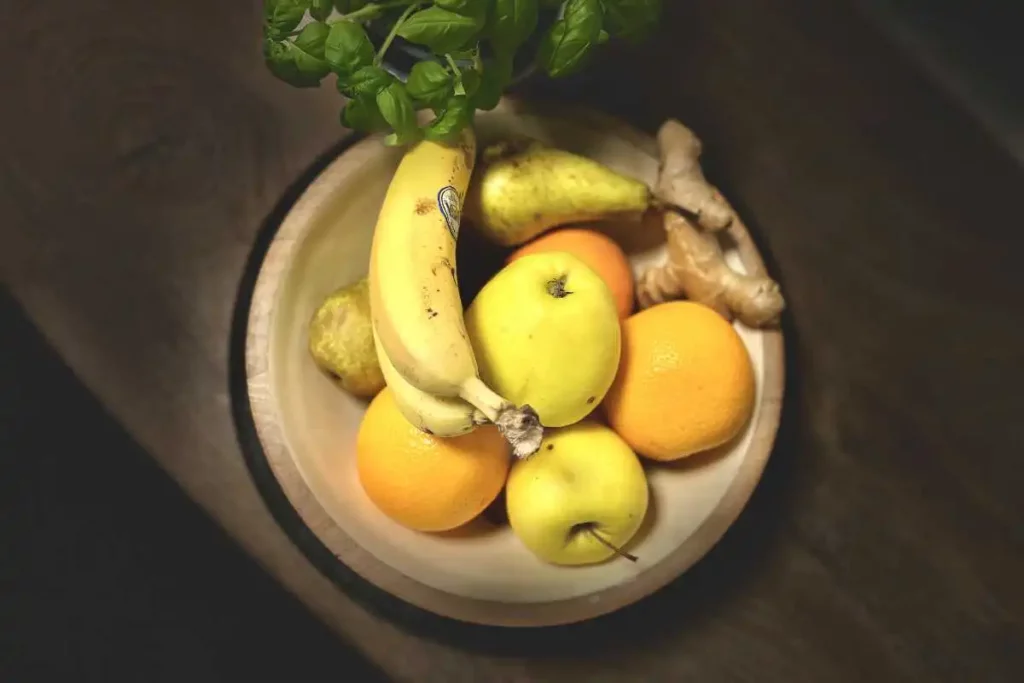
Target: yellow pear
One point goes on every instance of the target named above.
(523, 188)
(545, 332)
(341, 340)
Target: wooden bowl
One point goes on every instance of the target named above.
(307, 426)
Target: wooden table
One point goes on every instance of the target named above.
(144, 144)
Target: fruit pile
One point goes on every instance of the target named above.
(551, 385)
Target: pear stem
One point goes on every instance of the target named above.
(589, 529)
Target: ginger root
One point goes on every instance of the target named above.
(696, 268)
(681, 181)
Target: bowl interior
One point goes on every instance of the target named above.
(308, 425)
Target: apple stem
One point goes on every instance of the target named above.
(611, 546)
(556, 287)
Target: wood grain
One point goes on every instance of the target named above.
(143, 145)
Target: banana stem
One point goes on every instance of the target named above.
(520, 426)
(483, 398)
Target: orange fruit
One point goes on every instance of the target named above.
(685, 382)
(425, 482)
(600, 252)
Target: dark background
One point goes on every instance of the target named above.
(100, 580)
(108, 572)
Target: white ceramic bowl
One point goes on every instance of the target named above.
(307, 426)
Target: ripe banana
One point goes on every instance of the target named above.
(435, 415)
(414, 293)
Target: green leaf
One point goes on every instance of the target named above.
(365, 82)
(346, 6)
(429, 83)
(469, 82)
(456, 115)
(348, 48)
(466, 54)
(363, 115)
(467, 7)
(439, 29)
(398, 110)
(312, 38)
(511, 23)
(477, 9)
(280, 17)
(632, 19)
(496, 77)
(569, 41)
(321, 9)
(293, 66)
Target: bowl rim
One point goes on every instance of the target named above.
(298, 512)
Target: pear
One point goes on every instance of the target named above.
(341, 340)
(522, 188)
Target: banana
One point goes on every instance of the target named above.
(414, 294)
(435, 415)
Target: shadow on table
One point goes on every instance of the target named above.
(109, 571)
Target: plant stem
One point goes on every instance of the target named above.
(460, 88)
(453, 65)
(394, 32)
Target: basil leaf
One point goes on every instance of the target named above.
(456, 115)
(363, 115)
(320, 9)
(496, 77)
(477, 9)
(348, 48)
(398, 110)
(293, 66)
(469, 82)
(312, 38)
(280, 17)
(632, 19)
(566, 46)
(429, 83)
(365, 82)
(461, 6)
(346, 6)
(439, 29)
(511, 23)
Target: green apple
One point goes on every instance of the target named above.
(545, 332)
(580, 498)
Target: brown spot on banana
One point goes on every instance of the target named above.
(424, 206)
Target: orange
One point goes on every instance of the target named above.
(685, 382)
(600, 252)
(425, 482)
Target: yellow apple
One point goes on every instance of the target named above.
(545, 331)
(580, 498)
